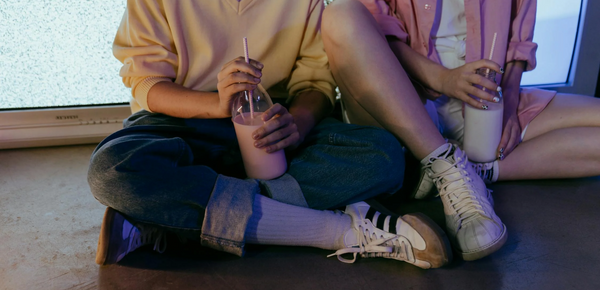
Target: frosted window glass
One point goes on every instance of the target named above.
(59, 53)
(555, 33)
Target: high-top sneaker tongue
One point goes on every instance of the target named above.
(454, 175)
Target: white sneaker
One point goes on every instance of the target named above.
(412, 238)
(485, 171)
(425, 187)
(474, 229)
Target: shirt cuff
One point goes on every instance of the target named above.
(321, 86)
(522, 51)
(140, 92)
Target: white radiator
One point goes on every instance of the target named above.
(61, 126)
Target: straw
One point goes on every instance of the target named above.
(249, 92)
(487, 71)
(491, 50)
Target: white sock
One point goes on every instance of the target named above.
(436, 153)
(276, 223)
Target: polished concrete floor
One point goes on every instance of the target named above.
(49, 225)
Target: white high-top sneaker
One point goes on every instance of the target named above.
(488, 171)
(473, 227)
(425, 188)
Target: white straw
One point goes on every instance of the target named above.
(250, 97)
(246, 50)
(493, 45)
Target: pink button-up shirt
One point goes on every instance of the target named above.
(411, 21)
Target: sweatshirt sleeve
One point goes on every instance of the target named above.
(144, 45)
(311, 70)
(384, 16)
(521, 46)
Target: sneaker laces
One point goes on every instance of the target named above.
(373, 246)
(455, 184)
(148, 235)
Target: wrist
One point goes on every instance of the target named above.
(440, 79)
(304, 120)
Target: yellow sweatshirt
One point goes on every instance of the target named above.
(188, 41)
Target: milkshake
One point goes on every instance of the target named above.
(483, 128)
(257, 162)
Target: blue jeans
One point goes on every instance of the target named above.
(188, 175)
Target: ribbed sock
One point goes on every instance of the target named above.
(276, 223)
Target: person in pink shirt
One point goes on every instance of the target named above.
(390, 57)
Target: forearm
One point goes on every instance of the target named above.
(308, 109)
(175, 100)
(511, 83)
(419, 67)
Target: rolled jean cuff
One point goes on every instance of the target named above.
(285, 189)
(227, 214)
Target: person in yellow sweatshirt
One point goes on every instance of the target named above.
(176, 167)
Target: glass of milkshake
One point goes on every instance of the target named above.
(483, 128)
(246, 115)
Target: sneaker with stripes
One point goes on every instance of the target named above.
(487, 171)
(412, 238)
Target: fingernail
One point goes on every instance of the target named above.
(501, 150)
(255, 136)
(501, 70)
(485, 107)
(257, 144)
(256, 80)
(499, 89)
(496, 99)
(500, 94)
(501, 156)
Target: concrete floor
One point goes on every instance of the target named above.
(49, 225)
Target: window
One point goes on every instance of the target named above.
(555, 33)
(58, 53)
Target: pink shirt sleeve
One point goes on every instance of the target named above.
(521, 46)
(388, 23)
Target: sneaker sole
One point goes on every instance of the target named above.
(104, 239)
(435, 239)
(495, 246)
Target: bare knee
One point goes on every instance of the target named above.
(342, 18)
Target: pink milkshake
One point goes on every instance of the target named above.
(257, 162)
(483, 128)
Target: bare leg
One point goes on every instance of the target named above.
(377, 91)
(375, 88)
(561, 142)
